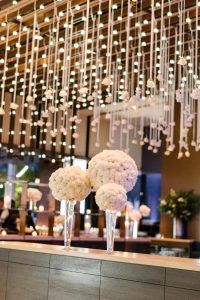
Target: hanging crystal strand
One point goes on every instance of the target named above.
(173, 94)
(106, 71)
(25, 76)
(29, 97)
(180, 154)
(132, 72)
(109, 53)
(44, 112)
(152, 43)
(115, 87)
(68, 69)
(153, 98)
(161, 44)
(36, 49)
(82, 56)
(196, 73)
(121, 136)
(63, 68)
(48, 64)
(44, 99)
(92, 57)
(55, 77)
(111, 113)
(127, 46)
(86, 41)
(32, 106)
(5, 69)
(97, 86)
(142, 140)
(18, 45)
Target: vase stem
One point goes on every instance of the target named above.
(68, 224)
(111, 217)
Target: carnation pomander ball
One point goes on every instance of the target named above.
(145, 210)
(135, 215)
(111, 196)
(70, 184)
(34, 194)
(112, 166)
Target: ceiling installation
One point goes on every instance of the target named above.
(134, 61)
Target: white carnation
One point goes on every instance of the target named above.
(111, 196)
(113, 166)
(34, 194)
(70, 183)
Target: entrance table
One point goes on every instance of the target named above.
(36, 271)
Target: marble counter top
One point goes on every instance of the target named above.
(121, 257)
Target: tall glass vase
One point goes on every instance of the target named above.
(111, 217)
(178, 228)
(134, 229)
(32, 205)
(68, 223)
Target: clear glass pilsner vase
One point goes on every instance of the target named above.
(111, 217)
(68, 223)
(134, 229)
(32, 205)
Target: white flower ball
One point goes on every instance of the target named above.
(135, 215)
(113, 166)
(34, 194)
(145, 210)
(70, 183)
(111, 196)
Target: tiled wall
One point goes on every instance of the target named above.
(38, 276)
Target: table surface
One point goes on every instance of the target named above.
(60, 238)
(171, 240)
(125, 257)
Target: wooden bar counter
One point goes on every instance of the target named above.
(36, 271)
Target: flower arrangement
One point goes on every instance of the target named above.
(144, 210)
(70, 184)
(111, 196)
(180, 204)
(34, 194)
(113, 166)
